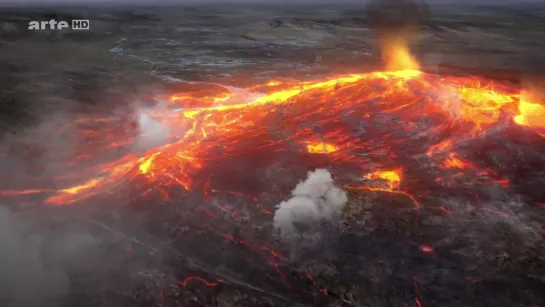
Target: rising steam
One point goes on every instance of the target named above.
(151, 132)
(314, 200)
(395, 25)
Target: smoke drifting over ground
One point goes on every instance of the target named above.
(314, 200)
(47, 254)
(32, 271)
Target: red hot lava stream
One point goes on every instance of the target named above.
(460, 108)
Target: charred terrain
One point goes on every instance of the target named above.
(152, 160)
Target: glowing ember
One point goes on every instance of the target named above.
(324, 148)
(426, 249)
(454, 162)
(393, 178)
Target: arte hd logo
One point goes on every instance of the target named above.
(52, 24)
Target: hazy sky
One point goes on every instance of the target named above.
(166, 2)
(246, 1)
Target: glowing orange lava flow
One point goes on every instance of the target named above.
(452, 161)
(316, 147)
(393, 178)
(197, 131)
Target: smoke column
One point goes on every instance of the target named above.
(532, 80)
(314, 200)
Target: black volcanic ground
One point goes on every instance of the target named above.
(117, 252)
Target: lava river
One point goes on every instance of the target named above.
(364, 124)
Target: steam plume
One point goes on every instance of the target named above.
(151, 131)
(395, 25)
(314, 200)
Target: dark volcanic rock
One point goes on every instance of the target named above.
(39, 77)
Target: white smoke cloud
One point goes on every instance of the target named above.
(31, 270)
(314, 200)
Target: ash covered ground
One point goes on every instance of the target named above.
(442, 239)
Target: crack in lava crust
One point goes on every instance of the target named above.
(361, 123)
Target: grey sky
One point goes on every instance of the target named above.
(23, 3)
(243, 1)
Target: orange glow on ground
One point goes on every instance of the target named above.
(207, 128)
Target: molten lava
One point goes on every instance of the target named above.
(531, 113)
(392, 178)
(316, 147)
(222, 127)
(358, 117)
